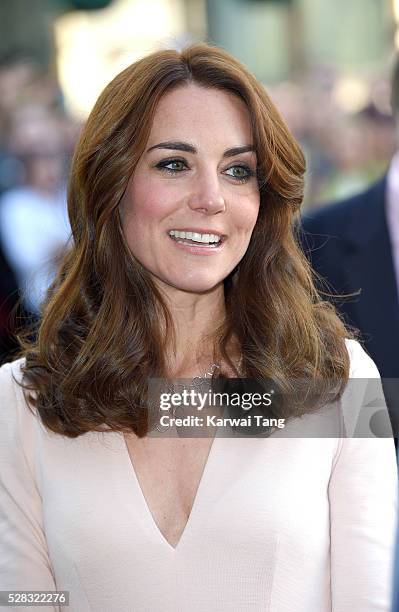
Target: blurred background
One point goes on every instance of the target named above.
(327, 65)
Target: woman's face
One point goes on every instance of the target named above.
(197, 177)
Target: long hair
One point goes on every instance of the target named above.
(104, 326)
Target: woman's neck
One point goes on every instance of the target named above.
(196, 317)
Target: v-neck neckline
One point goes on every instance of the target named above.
(149, 517)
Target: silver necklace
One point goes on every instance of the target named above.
(197, 384)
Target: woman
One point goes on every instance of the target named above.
(183, 150)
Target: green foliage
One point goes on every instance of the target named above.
(83, 5)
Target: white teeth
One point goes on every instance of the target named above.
(204, 238)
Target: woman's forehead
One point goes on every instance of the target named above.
(195, 113)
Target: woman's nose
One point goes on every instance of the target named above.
(206, 195)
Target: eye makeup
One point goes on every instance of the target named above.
(164, 166)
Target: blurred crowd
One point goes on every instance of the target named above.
(36, 142)
(345, 127)
(345, 151)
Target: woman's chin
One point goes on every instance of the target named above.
(194, 285)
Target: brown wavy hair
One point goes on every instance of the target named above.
(100, 334)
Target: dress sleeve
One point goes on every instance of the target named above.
(24, 558)
(363, 513)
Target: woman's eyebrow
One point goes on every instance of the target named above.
(189, 148)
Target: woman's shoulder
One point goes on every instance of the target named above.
(13, 405)
(9, 372)
(363, 402)
(361, 364)
(19, 425)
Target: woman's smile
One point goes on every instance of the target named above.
(202, 242)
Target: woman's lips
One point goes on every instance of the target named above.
(200, 249)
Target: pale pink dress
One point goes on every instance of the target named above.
(278, 524)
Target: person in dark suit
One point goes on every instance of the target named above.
(349, 245)
(9, 297)
(395, 589)
(354, 246)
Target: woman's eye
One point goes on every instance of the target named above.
(240, 173)
(172, 165)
